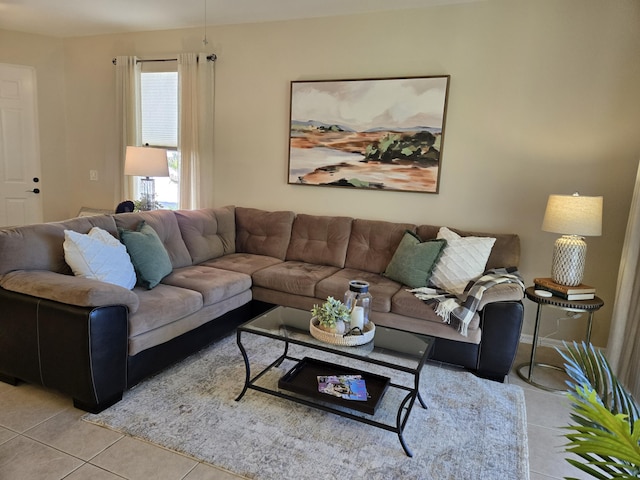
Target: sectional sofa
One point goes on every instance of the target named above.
(92, 340)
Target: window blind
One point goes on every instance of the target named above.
(159, 103)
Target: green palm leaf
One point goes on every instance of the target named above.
(607, 431)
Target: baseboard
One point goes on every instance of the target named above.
(550, 342)
(542, 342)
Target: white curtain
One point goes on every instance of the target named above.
(195, 129)
(623, 349)
(128, 118)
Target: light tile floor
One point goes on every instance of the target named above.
(42, 437)
(547, 414)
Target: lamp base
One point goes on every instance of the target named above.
(147, 193)
(569, 256)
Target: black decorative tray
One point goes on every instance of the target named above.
(303, 379)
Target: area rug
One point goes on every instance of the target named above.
(472, 428)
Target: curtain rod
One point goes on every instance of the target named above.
(212, 58)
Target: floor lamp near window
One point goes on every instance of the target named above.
(146, 162)
(575, 217)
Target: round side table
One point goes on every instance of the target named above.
(580, 306)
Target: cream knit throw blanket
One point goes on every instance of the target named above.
(461, 309)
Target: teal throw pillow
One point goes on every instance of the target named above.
(414, 260)
(148, 255)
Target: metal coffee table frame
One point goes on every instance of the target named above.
(291, 330)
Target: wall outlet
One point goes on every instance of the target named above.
(93, 175)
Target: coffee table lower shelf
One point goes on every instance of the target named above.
(303, 379)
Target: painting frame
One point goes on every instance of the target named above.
(371, 134)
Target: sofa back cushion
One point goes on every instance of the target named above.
(373, 243)
(165, 224)
(39, 246)
(208, 233)
(321, 240)
(263, 233)
(505, 251)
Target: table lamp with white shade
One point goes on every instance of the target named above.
(146, 162)
(575, 217)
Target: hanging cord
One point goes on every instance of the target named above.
(568, 316)
(205, 42)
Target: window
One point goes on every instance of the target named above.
(159, 118)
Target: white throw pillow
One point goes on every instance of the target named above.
(100, 256)
(462, 260)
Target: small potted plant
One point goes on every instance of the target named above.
(331, 315)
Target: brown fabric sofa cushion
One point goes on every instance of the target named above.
(299, 278)
(208, 233)
(505, 251)
(161, 306)
(165, 224)
(321, 240)
(156, 336)
(213, 284)
(263, 233)
(39, 246)
(242, 262)
(373, 243)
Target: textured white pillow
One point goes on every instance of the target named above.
(463, 260)
(99, 255)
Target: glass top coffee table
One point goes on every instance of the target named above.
(390, 365)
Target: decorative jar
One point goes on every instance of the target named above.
(358, 302)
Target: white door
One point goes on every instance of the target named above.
(20, 185)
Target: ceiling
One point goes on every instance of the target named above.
(75, 18)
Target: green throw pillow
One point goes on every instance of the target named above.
(148, 255)
(414, 260)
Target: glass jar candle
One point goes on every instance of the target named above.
(358, 301)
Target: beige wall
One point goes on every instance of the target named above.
(47, 56)
(544, 99)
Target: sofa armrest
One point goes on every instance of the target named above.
(502, 292)
(501, 324)
(69, 289)
(80, 351)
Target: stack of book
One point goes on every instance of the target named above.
(579, 292)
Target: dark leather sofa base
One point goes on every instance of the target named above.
(80, 351)
(8, 379)
(97, 407)
(502, 334)
(455, 353)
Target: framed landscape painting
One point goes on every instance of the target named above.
(381, 134)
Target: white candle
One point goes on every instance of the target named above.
(357, 318)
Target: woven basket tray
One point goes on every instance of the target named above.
(340, 339)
